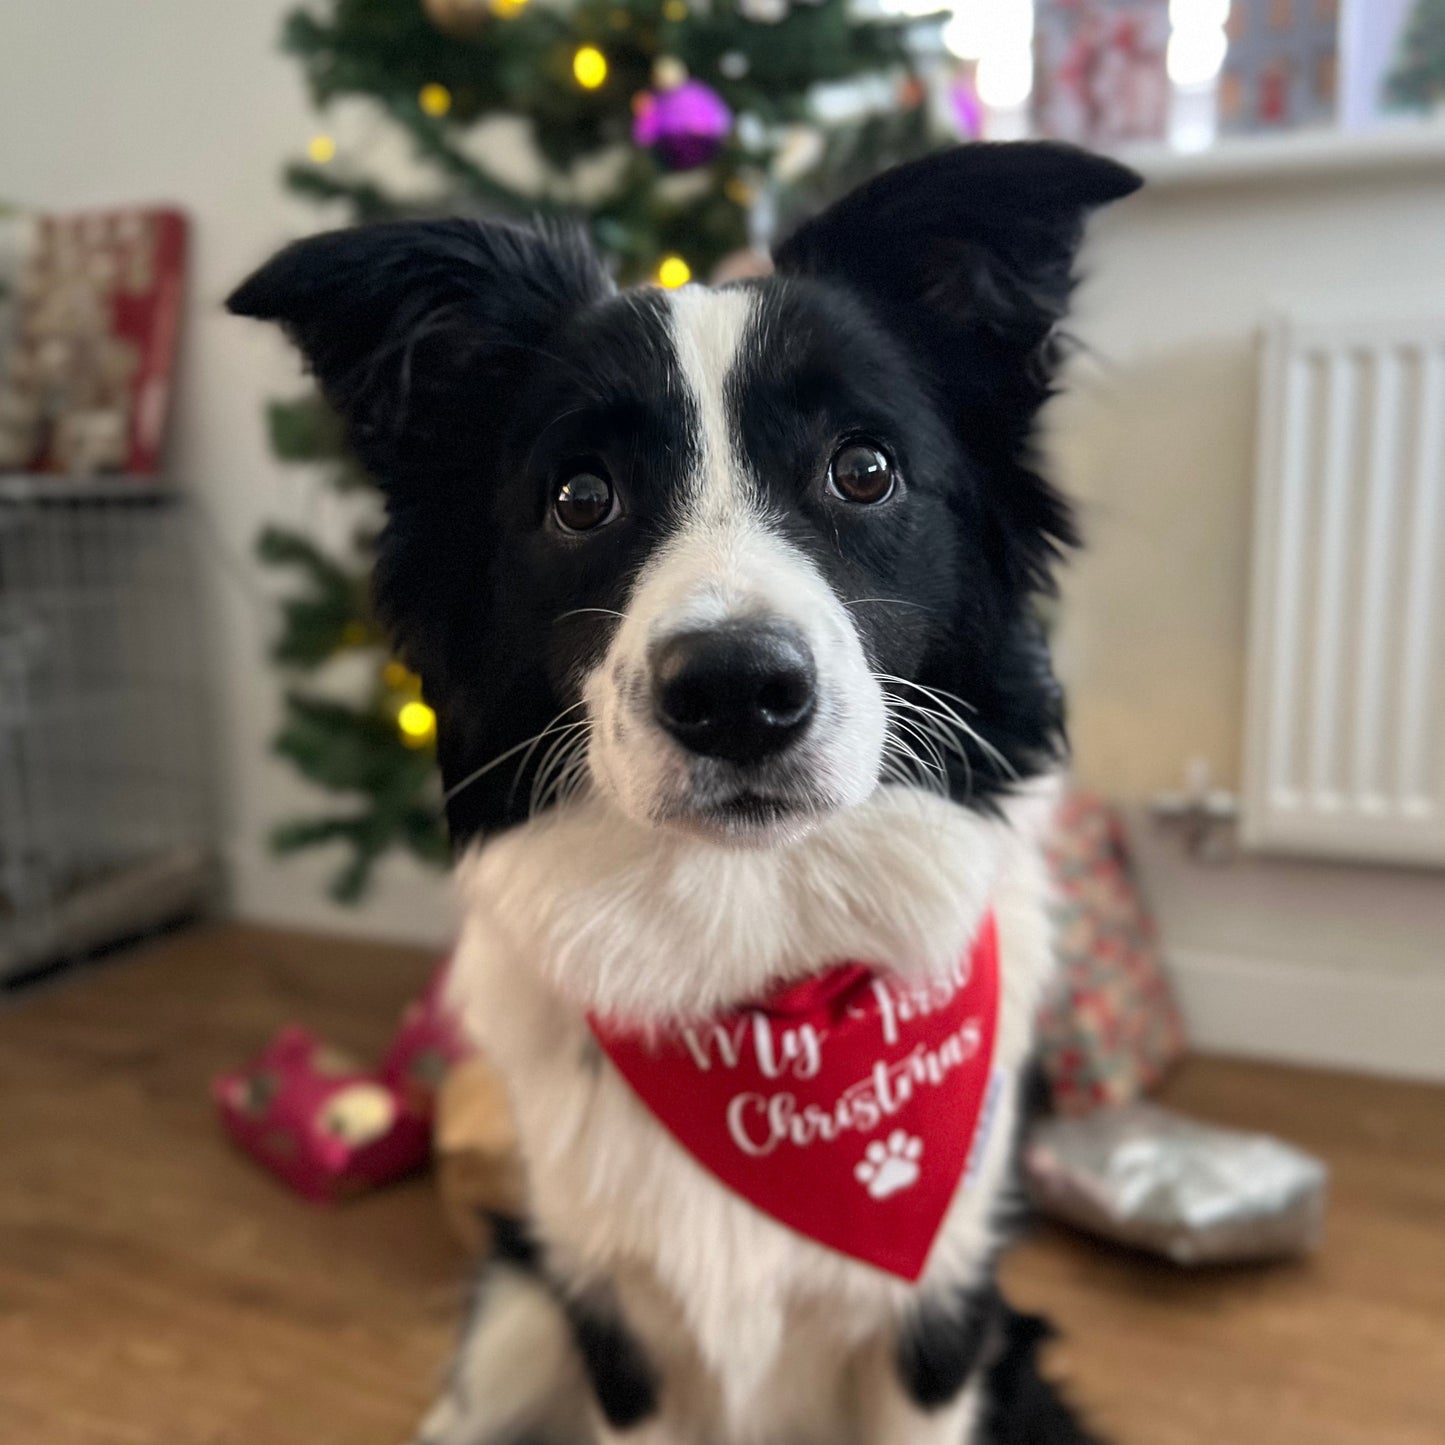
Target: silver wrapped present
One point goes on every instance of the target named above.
(1150, 1178)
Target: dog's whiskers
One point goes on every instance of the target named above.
(914, 730)
(557, 762)
(900, 752)
(944, 723)
(936, 693)
(901, 765)
(888, 601)
(561, 733)
(936, 727)
(574, 778)
(552, 759)
(511, 752)
(600, 611)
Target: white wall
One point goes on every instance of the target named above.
(189, 101)
(1157, 438)
(1311, 961)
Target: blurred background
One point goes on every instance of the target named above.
(201, 724)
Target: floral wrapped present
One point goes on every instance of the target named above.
(1109, 1028)
(429, 1044)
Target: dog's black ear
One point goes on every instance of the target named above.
(968, 256)
(396, 319)
(978, 239)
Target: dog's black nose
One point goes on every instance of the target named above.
(739, 691)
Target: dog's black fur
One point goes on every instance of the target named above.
(944, 1341)
(476, 365)
(941, 1348)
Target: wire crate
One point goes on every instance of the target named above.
(105, 828)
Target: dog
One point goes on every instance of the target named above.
(725, 601)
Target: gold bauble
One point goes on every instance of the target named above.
(460, 18)
(668, 72)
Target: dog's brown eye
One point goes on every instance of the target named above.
(861, 472)
(583, 501)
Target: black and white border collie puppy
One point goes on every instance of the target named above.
(723, 599)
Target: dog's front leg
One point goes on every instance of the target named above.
(626, 1383)
(893, 1418)
(923, 1386)
(655, 1431)
(516, 1375)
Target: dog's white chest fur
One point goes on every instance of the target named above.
(580, 910)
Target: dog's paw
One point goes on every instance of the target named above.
(889, 1167)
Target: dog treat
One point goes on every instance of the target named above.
(479, 1167)
(1150, 1178)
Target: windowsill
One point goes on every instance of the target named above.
(1308, 154)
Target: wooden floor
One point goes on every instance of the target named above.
(157, 1289)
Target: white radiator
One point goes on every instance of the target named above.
(1345, 726)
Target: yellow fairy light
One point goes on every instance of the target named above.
(418, 724)
(589, 65)
(505, 9)
(400, 678)
(434, 99)
(673, 271)
(674, 10)
(321, 148)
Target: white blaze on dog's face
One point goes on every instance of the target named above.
(735, 698)
(731, 558)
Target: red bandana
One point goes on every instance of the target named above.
(846, 1106)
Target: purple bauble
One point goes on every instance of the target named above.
(968, 113)
(685, 126)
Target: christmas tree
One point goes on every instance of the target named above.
(676, 131)
(1418, 80)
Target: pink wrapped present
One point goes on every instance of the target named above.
(329, 1128)
(1109, 1028)
(428, 1044)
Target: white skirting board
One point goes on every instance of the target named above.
(1392, 1024)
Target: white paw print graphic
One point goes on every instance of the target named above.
(889, 1167)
